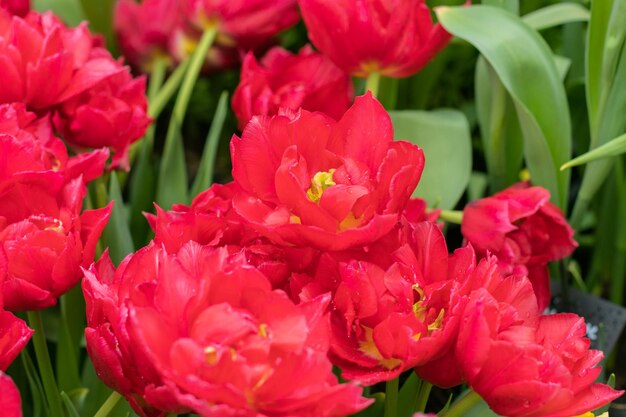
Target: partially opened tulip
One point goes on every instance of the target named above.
(395, 38)
(111, 114)
(523, 230)
(542, 371)
(285, 80)
(308, 180)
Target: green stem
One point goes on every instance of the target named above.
(391, 398)
(165, 93)
(102, 195)
(173, 154)
(45, 366)
(108, 405)
(422, 396)
(451, 216)
(372, 83)
(461, 406)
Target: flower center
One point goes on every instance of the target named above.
(319, 183)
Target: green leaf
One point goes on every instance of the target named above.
(36, 387)
(614, 147)
(117, 234)
(99, 13)
(606, 92)
(509, 5)
(407, 397)
(555, 15)
(69, 405)
(204, 177)
(172, 183)
(525, 66)
(444, 136)
(499, 127)
(70, 11)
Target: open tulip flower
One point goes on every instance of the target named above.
(395, 38)
(211, 336)
(16, 7)
(308, 80)
(10, 400)
(311, 181)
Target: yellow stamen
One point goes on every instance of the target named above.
(320, 182)
(369, 348)
(263, 330)
(210, 355)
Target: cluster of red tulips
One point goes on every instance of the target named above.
(314, 257)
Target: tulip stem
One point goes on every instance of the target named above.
(45, 366)
(422, 395)
(391, 397)
(451, 216)
(462, 406)
(167, 90)
(108, 406)
(372, 83)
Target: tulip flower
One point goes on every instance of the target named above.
(247, 24)
(39, 48)
(202, 329)
(111, 114)
(393, 38)
(10, 400)
(16, 7)
(523, 230)
(284, 80)
(542, 371)
(311, 181)
(144, 30)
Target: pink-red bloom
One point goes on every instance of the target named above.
(204, 330)
(386, 320)
(284, 80)
(523, 230)
(16, 7)
(43, 234)
(546, 370)
(10, 400)
(144, 29)
(43, 62)
(311, 181)
(393, 37)
(246, 24)
(111, 114)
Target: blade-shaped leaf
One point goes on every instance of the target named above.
(204, 177)
(526, 68)
(614, 147)
(555, 15)
(444, 136)
(117, 234)
(70, 11)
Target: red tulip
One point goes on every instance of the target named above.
(211, 335)
(14, 333)
(393, 37)
(521, 371)
(44, 62)
(524, 230)
(144, 30)
(16, 7)
(112, 113)
(284, 80)
(311, 181)
(10, 401)
(513, 294)
(244, 23)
